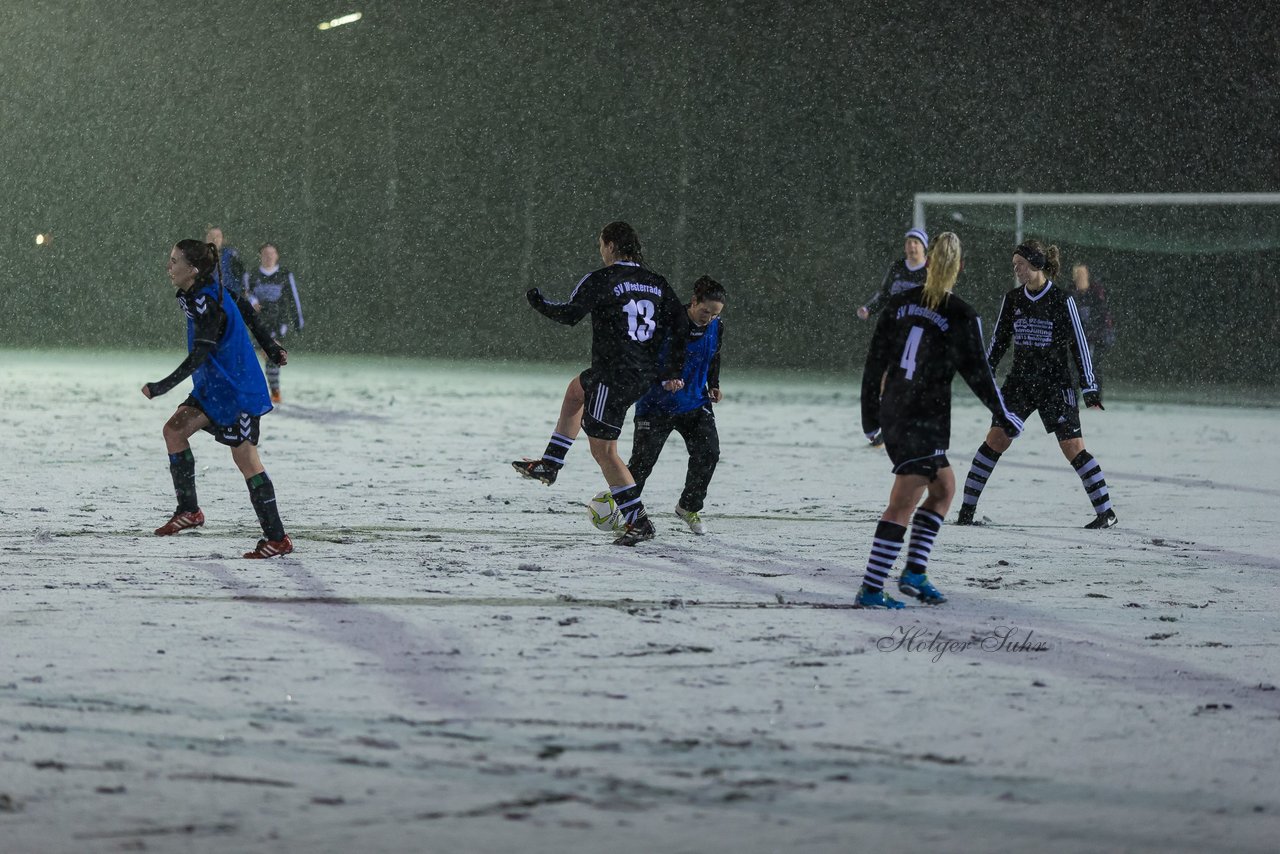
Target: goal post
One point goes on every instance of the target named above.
(1020, 201)
(1192, 280)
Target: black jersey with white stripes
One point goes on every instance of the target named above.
(274, 295)
(633, 312)
(1046, 333)
(917, 351)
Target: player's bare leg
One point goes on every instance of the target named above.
(185, 422)
(998, 440)
(575, 399)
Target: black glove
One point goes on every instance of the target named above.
(1092, 399)
(534, 296)
(278, 354)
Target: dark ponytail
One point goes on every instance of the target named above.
(1053, 262)
(707, 289)
(624, 240)
(203, 256)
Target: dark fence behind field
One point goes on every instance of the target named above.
(423, 167)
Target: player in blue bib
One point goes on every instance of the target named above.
(228, 397)
(687, 411)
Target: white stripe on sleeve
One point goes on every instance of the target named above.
(1090, 384)
(296, 301)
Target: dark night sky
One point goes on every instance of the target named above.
(423, 167)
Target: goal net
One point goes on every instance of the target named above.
(1192, 280)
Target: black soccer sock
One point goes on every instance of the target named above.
(629, 504)
(182, 468)
(263, 495)
(557, 449)
(979, 470)
(273, 376)
(884, 551)
(1095, 485)
(925, 526)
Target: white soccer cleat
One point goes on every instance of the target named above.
(692, 519)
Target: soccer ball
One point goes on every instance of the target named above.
(604, 514)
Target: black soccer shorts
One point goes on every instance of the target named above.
(1058, 407)
(232, 435)
(607, 402)
(916, 449)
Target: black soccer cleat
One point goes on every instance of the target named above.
(537, 470)
(637, 532)
(1103, 520)
(966, 514)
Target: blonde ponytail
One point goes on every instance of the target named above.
(944, 269)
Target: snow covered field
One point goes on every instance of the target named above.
(453, 660)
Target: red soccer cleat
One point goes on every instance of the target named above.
(271, 548)
(180, 522)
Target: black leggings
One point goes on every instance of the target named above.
(701, 438)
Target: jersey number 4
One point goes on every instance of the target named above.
(640, 322)
(908, 361)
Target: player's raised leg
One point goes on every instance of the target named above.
(562, 438)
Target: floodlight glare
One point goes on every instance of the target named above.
(338, 22)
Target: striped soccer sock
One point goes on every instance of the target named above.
(629, 504)
(1095, 484)
(884, 551)
(925, 526)
(984, 461)
(557, 449)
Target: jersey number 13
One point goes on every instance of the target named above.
(640, 322)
